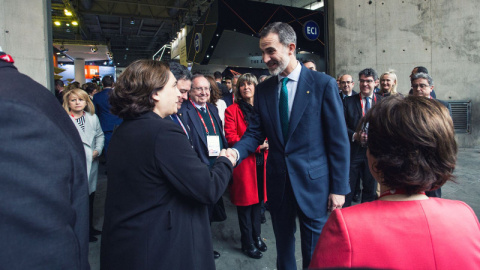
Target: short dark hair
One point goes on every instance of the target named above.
(421, 75)
(369, 72)
(217, 75)
(107, 81)
(132, 95)
(308, 61)
(180, 71)
(285, 32)
(59, 83)
(413, 142)
(421, 69)
(90, 87)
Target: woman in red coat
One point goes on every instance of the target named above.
(249, 186)
(411, 149)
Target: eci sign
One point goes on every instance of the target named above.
(311, 31)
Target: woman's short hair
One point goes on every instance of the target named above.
(413, 142)
(247, 77)
(393, 91)
(81, 94)
(132, 95)
(215, 94)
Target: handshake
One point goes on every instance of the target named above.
(230, 154)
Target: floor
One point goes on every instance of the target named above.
(226, 235)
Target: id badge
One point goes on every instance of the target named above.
(213, 144)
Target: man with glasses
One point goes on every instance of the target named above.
(346, 86)
(422, 86)
(355, 108)
(205, 126)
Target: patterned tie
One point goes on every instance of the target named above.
(367, 104)
(203, 109)
(283, 108)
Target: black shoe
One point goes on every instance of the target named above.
(252, 252)
(356, 198)
(262, 218)
(216, 255)
(258, 242)
(92, 239)
(95, 232)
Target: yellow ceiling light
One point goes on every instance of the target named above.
(57, 23)
(75, 23)
(67, 12)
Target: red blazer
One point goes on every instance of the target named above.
(244, 189)
(428, 234)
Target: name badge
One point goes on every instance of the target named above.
(213, 144)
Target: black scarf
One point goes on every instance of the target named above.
(247, 110)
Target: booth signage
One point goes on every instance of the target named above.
(311, 31)
(198, 42)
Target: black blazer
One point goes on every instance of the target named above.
(199, 142)
(158, 191)
(43, 179)
(226, 95)
(353, 114)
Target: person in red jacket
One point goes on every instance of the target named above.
(411, 149)
(248, 189)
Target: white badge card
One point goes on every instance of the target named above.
(213, 143)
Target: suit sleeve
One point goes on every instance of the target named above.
(99, 137)
(185, 171)
(333, 247)
(336, 140)
(350, 130)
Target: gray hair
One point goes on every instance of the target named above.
(425, 76)
(285, 32)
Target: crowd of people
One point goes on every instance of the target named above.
(299, 141)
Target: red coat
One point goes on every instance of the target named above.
(244, 189)
(425, 234)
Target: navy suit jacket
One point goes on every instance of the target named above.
(353, 115)
(102, 108)
(315, 156)
(197, 133)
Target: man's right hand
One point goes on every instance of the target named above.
(227, 154)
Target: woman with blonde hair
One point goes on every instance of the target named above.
(78, 105)
(388, 84)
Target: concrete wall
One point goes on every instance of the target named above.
(25, 34)
(442, 35)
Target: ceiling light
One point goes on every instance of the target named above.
(75, 23)
(67, 12)
(68, 30)
(68, 24)
(126, 49)
(57, 23)
(132, 21)
(58, 53)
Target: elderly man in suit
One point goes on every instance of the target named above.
(43, 178)
(206, 132)
(299, 110)
(355, 108)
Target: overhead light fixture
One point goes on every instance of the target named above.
(132, 21)
(68, 24)
(75, 23)
(67, 12)
(58, 53)
(57, 23)
(126, 49)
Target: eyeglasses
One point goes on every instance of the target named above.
(346, 82)
(422, 86)
(201, 89)
(366, 81)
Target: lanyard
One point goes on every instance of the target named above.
(203, 122)
(180, 122)
(361, 103)
(396, 191)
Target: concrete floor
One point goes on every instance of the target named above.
(226, 235)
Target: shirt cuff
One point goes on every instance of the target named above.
(238, 154)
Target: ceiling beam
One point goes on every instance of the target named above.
(128, 16)
(140, 28)
(99, 25)
(139, 4)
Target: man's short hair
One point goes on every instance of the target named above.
(421, 69)
(421, 75)
(180, 71)
(107, 81)
(285, 32)
(217, 75)
(59, 83)
(369, 72)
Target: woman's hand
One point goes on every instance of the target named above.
(264, 145)
(95, 154)
(232, 158)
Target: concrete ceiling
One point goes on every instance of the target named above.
(129, 29)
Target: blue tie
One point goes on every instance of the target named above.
(367, 104)
(283, 108)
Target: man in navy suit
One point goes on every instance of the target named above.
(108, 121)
(300, 112)
(346, 86)
(206, 132)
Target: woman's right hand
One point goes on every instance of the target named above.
(233, 160)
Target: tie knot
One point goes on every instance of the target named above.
(202, 109)
(284, 81)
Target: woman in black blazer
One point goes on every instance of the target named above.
(158, 189)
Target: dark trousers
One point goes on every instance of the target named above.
(284, 228)
(91, 198)
(359, 169)
(250, 223)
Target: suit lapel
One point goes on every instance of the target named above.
(358, 105)
(271, 99)
(300, 102)
(197, 124)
